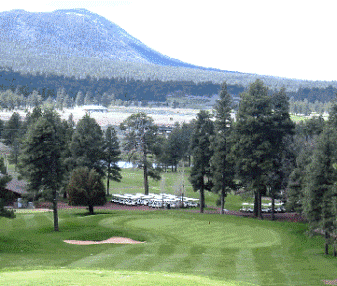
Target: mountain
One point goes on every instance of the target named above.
(78, 43)
(77, 32)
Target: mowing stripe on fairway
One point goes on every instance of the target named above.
(205, 245)
(30, 220)
(245, 267)
(198, 232)
(106, 277)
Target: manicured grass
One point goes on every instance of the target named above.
(106, 277)
(180, 247)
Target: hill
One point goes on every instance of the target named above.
(78, 43)
(76, 33)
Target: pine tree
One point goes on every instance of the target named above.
(79, 99)
(174, 147)
(88, 98)
(222, 164)
(12, 129)
(86, 146)
(34, 99)
(67, 101)
(320, 191)
(106, 99)
(282, 130)
(111, 155)
(140, 140)
(86, 188)
(4, 195)
(333, 113)
(200, 176)
(253, 148)
(296, 183)
(41, 158)
(60, 98)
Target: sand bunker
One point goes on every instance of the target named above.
(115, 240)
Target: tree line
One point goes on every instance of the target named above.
(57, 157)
(263, 153)
(23, 90)
(48, 86)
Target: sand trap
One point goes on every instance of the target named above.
(115, 240)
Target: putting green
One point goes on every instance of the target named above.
(201, 232)
(105, 277)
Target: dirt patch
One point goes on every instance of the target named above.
(114, 240)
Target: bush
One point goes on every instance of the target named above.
(86, 188)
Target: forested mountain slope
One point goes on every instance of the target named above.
(78, 43)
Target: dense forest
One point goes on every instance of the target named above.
(122, 88)
(129, 88)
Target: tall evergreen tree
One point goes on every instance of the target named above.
(200, 176)
(296, 182)
(174, 147)
(4, 195)
(222, 164)
(105, 100)
(111, 155)
(79, 101)
(139, 142)
(12, 129)
(34, 99)
(320, 191)
(333, 113)
(41, 158)
(68, 128)
(87, 144)
(253, 141)
(88, 98)
(60, 98)
(282, 130)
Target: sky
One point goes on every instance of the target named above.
(285, 38)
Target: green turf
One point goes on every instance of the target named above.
(105, 277)
(178, 243)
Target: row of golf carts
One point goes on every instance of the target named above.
(155, 200)
(266, 208)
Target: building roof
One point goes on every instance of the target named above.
(17, 186)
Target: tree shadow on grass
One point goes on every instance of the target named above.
(84, 214)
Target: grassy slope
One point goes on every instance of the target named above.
(106, 277)
(220, 247)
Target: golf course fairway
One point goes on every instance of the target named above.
(106, 277)
(180, 248)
